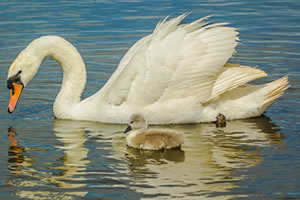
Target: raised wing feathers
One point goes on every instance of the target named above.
(203, 53)
(175, 61)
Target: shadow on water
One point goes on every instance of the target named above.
(92, 158)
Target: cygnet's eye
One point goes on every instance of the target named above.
(131, 122)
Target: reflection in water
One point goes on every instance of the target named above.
(75, 156)
(67, 174)
(210, 156)
(95, 155)
(158, 157)
(213, 160)
(15, 153)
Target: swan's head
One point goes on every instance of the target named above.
(136, 122)
(20, 73)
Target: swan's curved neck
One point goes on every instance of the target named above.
(74, 72)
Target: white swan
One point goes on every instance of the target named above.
(140, 137)
(177, 74)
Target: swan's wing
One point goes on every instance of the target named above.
(175, 61)
(116, 90)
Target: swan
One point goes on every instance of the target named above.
(177, 74)
(153, 139)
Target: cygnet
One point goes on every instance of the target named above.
(151, 139)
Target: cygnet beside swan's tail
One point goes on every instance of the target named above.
(274, 90)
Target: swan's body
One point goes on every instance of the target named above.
(177, 74)
(151, 139)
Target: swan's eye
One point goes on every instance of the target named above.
(131, 122)
(14, 79)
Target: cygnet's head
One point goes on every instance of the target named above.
(136, 122)
(221, 120)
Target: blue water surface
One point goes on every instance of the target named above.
(61, 159)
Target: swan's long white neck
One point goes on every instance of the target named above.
(74, 72)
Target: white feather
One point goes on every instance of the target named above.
(177, 74)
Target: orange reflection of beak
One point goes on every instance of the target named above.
(14, 96)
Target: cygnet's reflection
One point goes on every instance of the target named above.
(210, 156)
(173, 155)
(203, 167)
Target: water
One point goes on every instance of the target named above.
(60, 159)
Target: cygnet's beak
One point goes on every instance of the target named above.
(15, 93)
(128, 129)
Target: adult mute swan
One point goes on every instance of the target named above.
(151, 139)
(177, 74)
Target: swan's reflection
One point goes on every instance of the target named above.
(211, 155)
(64, 172)
(75, 159)
(15, 153)
(204, 167)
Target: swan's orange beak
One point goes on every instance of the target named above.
(15, 94)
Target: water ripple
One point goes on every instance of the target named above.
(61, 159)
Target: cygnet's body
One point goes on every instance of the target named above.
(154, 139)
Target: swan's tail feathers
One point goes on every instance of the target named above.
(275, 89)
